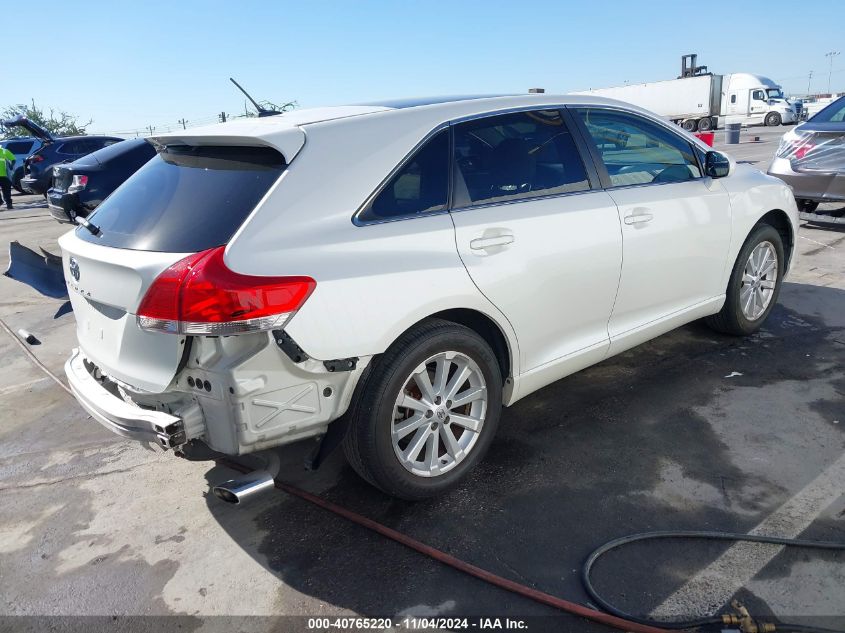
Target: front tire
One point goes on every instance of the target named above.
(773, 119)
(754, 284)
(426, 412)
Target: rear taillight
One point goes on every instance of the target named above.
(78, 183)
(802, 150)
(796, 148)
(200, 295)
(36, 158)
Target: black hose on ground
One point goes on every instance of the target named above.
(587, 569)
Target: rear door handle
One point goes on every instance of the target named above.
(483, 243)
(638, 218)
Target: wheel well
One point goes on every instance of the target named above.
(487, 329)
(780, 221)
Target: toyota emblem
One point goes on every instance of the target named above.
(74, 268)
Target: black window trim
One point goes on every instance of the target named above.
(604, 176)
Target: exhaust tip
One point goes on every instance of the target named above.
(224, 494)
(236, 491)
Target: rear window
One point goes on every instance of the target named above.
(186, 199)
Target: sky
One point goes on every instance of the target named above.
(132, 65)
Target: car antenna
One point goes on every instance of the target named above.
(262, 111)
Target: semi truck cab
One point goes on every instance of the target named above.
(755, 100)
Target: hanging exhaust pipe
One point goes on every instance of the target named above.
(250, 485)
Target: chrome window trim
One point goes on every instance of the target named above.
(499, 203)
(670, 127)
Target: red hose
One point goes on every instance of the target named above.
(456, 563)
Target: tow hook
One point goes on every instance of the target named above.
(745, 622)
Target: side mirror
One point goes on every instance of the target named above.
(716, 165)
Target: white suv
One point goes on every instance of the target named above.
(405, 268)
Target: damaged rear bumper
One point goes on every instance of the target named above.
(123, 418)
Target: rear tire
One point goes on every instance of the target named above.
(773, 119)
(705, 124)
(375, 445)
(689, 125)
(736, 317)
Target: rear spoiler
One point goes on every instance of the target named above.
(288, 140)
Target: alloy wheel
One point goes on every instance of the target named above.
(439, 414)
(759, 280)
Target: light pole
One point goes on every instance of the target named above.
(831, 54)
(809, 79)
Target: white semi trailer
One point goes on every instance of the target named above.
(702, 101)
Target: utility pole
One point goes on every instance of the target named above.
(151, 129)
(183, 122)
(809, 79)
(831, 54)
(222, 117)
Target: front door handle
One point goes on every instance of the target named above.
(638, 218)
(483, 243)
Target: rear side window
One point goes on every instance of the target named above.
(516, 156)
(186, 199)
(636, 151)
(420, 186)
(134, 151)
(833, 113)
(19, 147)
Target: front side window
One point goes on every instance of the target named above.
(420, 186)
(516, 156)
(758, 95)
(637, 151)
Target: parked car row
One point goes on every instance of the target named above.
(38, 165)
(79, 187)
(75, 173)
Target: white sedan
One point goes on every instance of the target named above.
(405, 269)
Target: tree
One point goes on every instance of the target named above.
(58, 123)
(269, 105)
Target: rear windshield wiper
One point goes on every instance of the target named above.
(95, 230)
